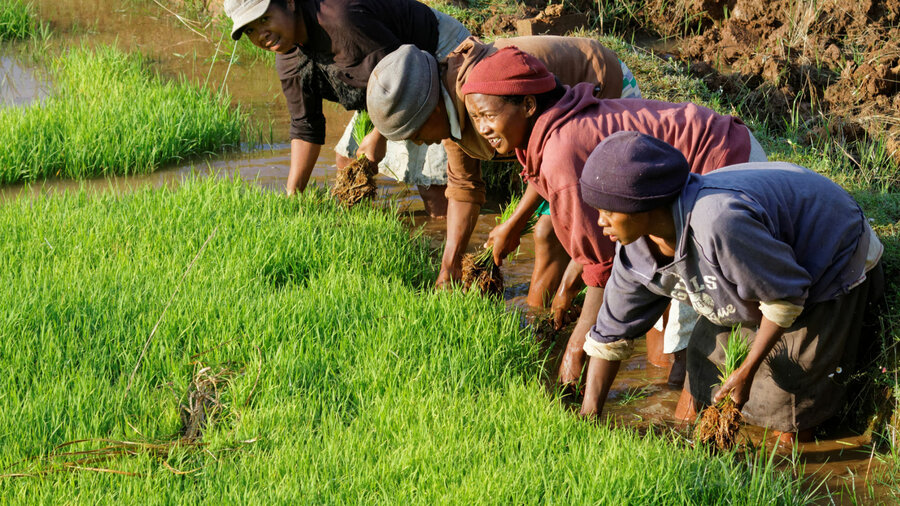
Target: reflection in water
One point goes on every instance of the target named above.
(19, 85)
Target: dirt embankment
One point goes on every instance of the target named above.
(831, 66)
(800, 58)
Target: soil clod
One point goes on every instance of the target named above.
(484, 276)
(355, 182)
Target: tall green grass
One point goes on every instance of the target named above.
(356, 384)
(16, 20)
(110, 114)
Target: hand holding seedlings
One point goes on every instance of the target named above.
(738, 376)
(503, 240)
(483, 268)
(373, 146)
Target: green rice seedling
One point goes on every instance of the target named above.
(479, 269)
(352, 381)
(17, 20)
(720, 424)
(355, 182)
(736, 350)
(110, 114)
(633, 394)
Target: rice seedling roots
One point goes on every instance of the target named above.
(719, 425)
(485, 278)
(355, 182)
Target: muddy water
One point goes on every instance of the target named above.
(640, 398)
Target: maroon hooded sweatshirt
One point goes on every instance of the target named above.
(566, 133)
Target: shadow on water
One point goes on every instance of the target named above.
(640, 398)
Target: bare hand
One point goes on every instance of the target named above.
(448, 277)
(373, 145)
(737, 385)
(573, 361)
(561, 310)
(504, 239)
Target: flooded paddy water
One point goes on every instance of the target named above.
(640, 399)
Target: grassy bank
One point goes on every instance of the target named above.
(348, 379)
(16, 20)
(110, 114)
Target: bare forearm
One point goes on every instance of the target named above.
(740, 382)
(571, 282)
(768, 334)
(528, 204)
(461, 220)
(600, 376)
(303, 160)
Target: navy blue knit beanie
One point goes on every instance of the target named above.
(629, 172)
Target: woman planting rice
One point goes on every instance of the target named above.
(411, 96)
(518, 106)
(326, 50)
(774, 247)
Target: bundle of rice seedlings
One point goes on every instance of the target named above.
(479, 269)
(356, 182)
(719, 424)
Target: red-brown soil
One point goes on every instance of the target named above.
(841, 57)
(829, 66)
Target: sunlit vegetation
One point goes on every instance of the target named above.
(109, 113)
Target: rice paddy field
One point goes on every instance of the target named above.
(348, 379)
(112, 115)
(215, 341)
(17, 20)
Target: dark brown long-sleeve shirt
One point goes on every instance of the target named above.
(347, 38)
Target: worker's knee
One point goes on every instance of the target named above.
(543, 231)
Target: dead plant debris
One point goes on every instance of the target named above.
(355, 182)
(202, 405)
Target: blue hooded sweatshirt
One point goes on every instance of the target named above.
(745, 234)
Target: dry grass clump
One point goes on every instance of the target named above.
(201, 407)
(721, 423)
(203, 402)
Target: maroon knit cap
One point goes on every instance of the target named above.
(630, 172)
(509, 72)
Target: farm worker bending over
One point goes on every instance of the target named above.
(326, 50)
(518, 106)
(413, 96)
(775, 247)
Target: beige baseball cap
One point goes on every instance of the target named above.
(243, 12)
